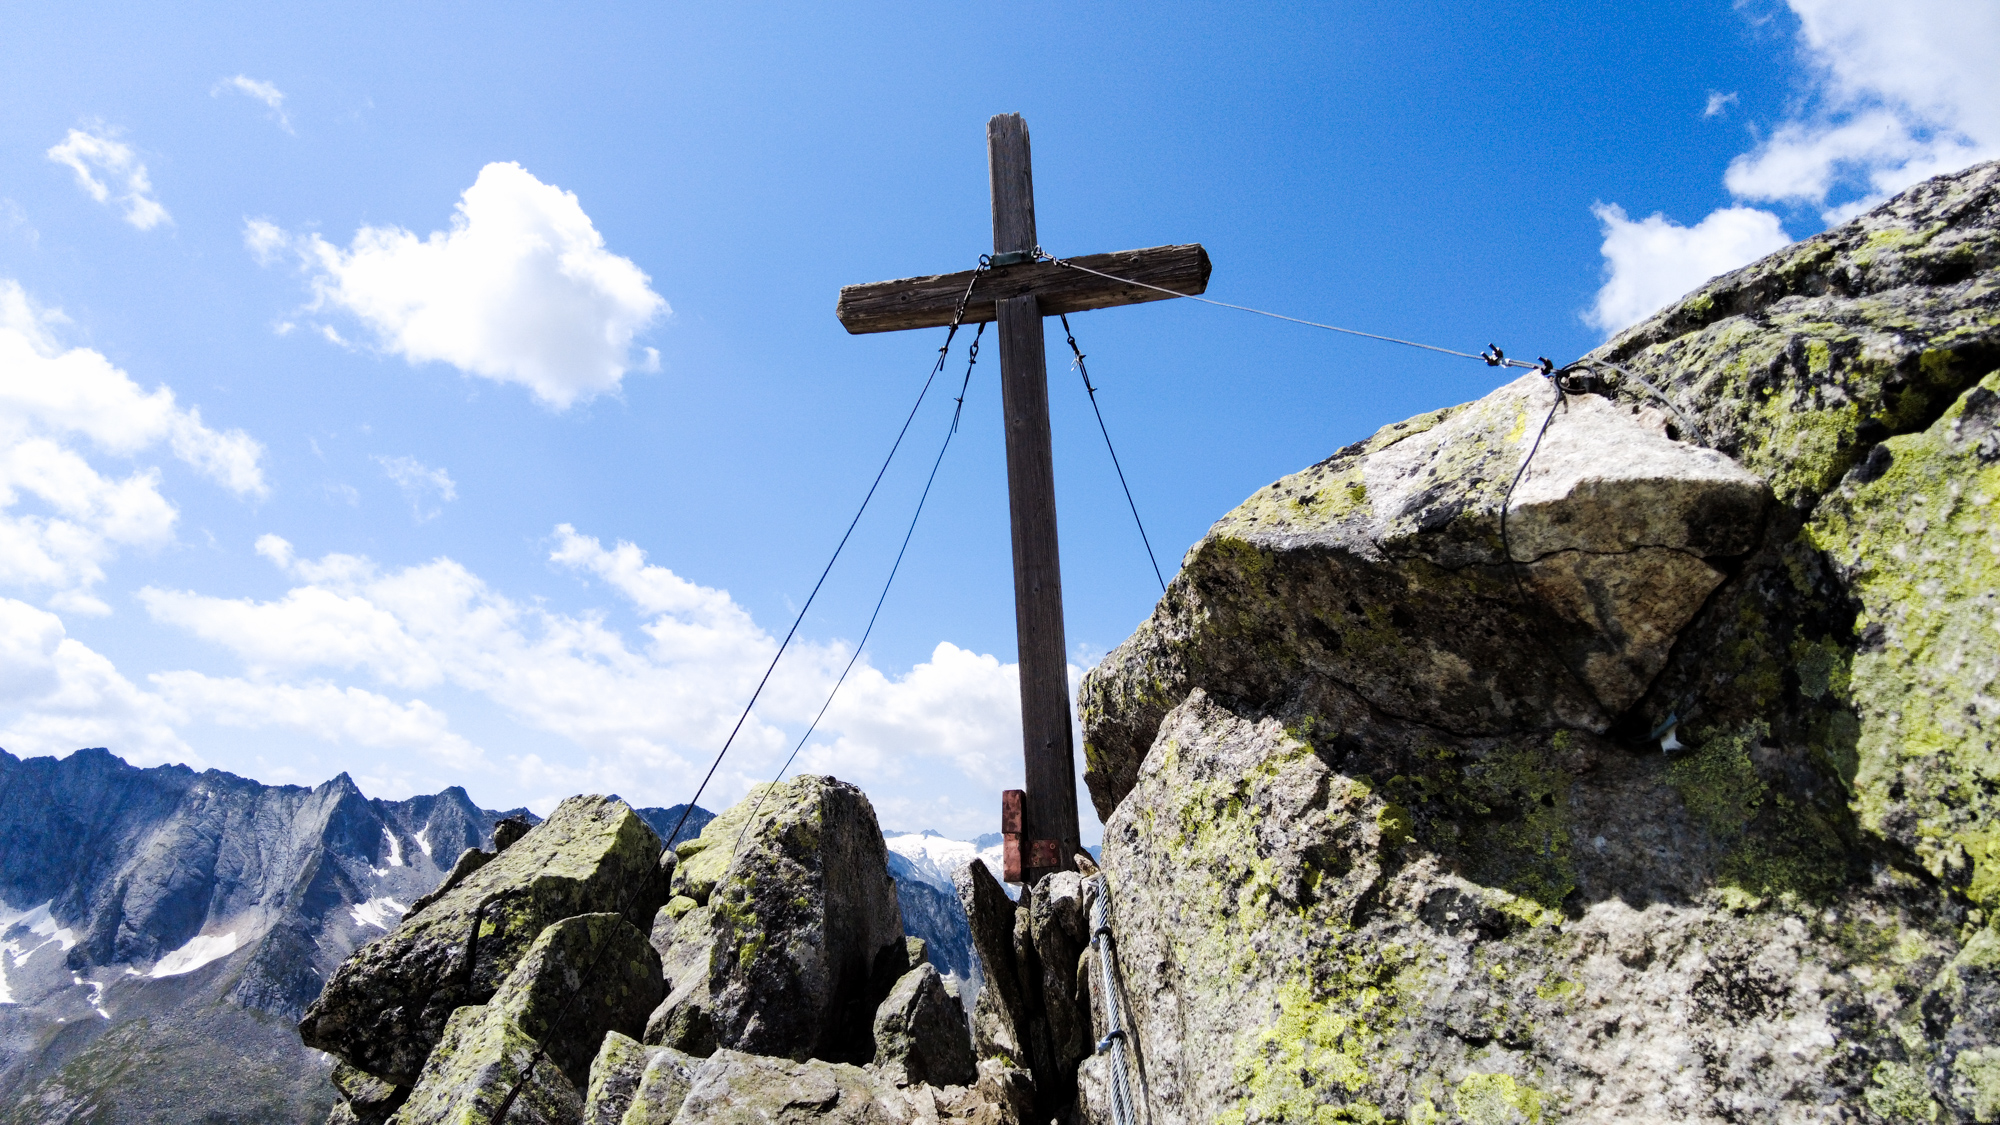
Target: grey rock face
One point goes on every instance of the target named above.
(1385, 833)
(1383, 569)
(936, 916)
(486, 1070)
(585, 978)
(921, 1035)
(386, 1007)
(782, 940)
(364, 1098)
(733, 1087)
(633, 1084)
(1001, 1013)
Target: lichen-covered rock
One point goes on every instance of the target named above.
(1384, 569)
(790, 933)
(364, 1098)
(1059, 929)
(733, 1088)
(921, 1035)
(486, 1070)
(583, 978)
(1386, 834)
(633, 1084)
(1000, 1012)
(469, 861)
(387, 1005)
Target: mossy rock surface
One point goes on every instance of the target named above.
(785, 931)
(387, 1005)
(1388, 820)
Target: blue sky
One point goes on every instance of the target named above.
(506, 422)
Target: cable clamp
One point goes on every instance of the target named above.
(1104, 1044)
(1493, 356)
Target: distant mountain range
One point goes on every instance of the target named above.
(161, 930)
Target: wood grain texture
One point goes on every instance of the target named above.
(1050, 809)
(928, 302)
(1011, 171)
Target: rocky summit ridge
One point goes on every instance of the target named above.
(585, 972)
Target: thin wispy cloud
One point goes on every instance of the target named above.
(427, 489)
(1719, 103)
(257, 90)
(111, 173)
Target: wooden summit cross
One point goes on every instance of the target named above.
(1018, 291)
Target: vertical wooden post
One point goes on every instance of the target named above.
(1049, 823)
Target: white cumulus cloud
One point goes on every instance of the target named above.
(642, 711)
(61, 516)
(1649, 262)
(521, 289)
(1901, 92)
(1896, 94)
(57, 695)
(106, 167)
(257, 90)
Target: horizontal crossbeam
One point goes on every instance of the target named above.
(929, 302)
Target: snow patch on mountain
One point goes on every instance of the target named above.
(423, 839)
(199, 951)
(382, 913)
(22, 934)
(935, 858)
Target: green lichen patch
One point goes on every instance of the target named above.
(1496, 1099)
(1897, 1092)
(1975, 1082)
(1920, 544)
(1718, 783)
(1327, 1044)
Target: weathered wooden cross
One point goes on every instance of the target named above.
(1018, 291)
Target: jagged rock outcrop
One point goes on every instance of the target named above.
(920, 1032)
(1388, 569)
(794, 993)
(1386, 834)
(583, 979)
(782, 928)
(633, 1084)
(386, 1008)
(1031, 1024)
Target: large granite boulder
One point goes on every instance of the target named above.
(1389, 832)
(583, 979)
(633, 1084)
(921, 1033)
(783, 934)
(386, 1007)
(1402, 568)
(734, 1088)
(486, 1070)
